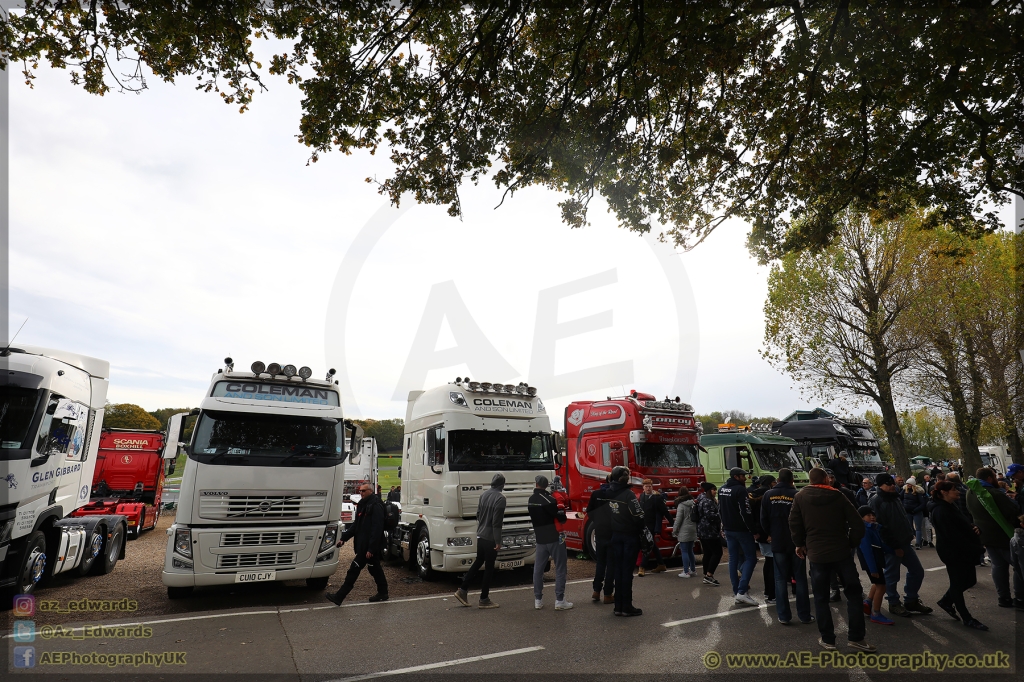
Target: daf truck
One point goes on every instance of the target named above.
(822, 435)
(457, 437)
(656, 439)
(263, 483)
(51, 413)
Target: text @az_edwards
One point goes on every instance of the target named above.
(88, 605)
(147, 658)
(837, 660)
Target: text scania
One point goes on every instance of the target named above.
(40, 476)
(130, 444)
(502, 405)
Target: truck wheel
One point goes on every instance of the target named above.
(179, 592)
(111, 551)
(422, 557)
(93, 550)
(33, 564)
(134, 533)
(590, 540)
(318, 584)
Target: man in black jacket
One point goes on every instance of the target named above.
(600, 519)
(738, 523)
(627, 521)
(368, 530)
(897, 533)
(544, 512)
(775, 508)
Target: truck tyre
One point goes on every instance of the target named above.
(590, 540)
(179, 592)
(33, 564)
(92, 551)
(106, 561)
(422, 555)
(318, 584)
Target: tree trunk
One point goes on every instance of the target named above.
(891, 420)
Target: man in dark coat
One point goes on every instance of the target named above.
(898, 533)
(775, 508)
(996, 531)
(739, 534)
(655, 509)
(368, 530)
(825, 527)
(627, 521)
(600, 518)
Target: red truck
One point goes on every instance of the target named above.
(656, 439)
(129, 476)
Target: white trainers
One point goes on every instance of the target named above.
(684, 574)
(538, 603)
(745, 599)
(563, 605)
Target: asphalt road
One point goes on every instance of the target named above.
(418, 637)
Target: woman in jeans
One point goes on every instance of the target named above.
(709, 531)
(957, 546)
(915, 503)
(685, 531)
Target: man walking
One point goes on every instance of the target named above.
(995, 514)
(490, 513)
(627, 520)
(825, 527)
(655, 510)
(775, 509)
(600, 516)
(739, 534)
(544, 512)
(898, 534)
(368, 529)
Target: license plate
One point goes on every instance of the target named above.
(255, 577)
(510, 564)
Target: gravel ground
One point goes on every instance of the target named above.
(137, 577)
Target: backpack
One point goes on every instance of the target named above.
(392, 515)
(695, 512)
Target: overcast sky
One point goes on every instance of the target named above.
(165, 231)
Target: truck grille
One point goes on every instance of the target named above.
(261, 560)
(280, 506)
(255, 539)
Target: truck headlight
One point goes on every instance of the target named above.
(181, 563)
(330, 536)
(460, 542)
(183, 542)
(531, 539)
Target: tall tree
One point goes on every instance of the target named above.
(685, 113)
(129, 416)
(836, 319)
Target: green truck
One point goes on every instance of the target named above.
(758, 452)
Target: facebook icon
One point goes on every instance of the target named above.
(24, 657)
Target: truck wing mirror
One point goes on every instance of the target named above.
(194, 412)
(558, 460)
(435, 470)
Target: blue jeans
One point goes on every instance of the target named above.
(741, 548)
(789, 564)
(915, 575)
(918, 527)
(689, 559)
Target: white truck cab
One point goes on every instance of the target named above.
(51, 413)
(262, 488)
(457, 437)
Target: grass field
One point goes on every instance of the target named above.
(387, 470)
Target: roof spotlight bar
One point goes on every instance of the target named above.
(522, 388)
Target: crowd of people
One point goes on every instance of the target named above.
(811, 541)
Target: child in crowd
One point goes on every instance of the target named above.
(872, 553)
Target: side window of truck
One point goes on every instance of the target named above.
(420, 450)
(62, 431)
(606, 454)
(435, 445)
(408, 446)
(731, 460)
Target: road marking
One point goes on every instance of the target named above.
(720, 614)
(442, 664)
(937, 568)
(444, 595)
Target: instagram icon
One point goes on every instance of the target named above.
(24, 605)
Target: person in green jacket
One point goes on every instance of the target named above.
(995, 514)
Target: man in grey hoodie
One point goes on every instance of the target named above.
(490, 514)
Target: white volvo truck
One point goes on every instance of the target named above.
(263, 483)
(456, 438)
(51, 412)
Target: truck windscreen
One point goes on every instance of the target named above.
(775, 457)
(666, 455)
(247, 439)
(864, 456)
(17, 408)
(498, 451)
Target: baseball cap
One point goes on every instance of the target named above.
(736, 471)
(1013, 469)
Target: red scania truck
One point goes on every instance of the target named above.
(129, 475)
(656, 439)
